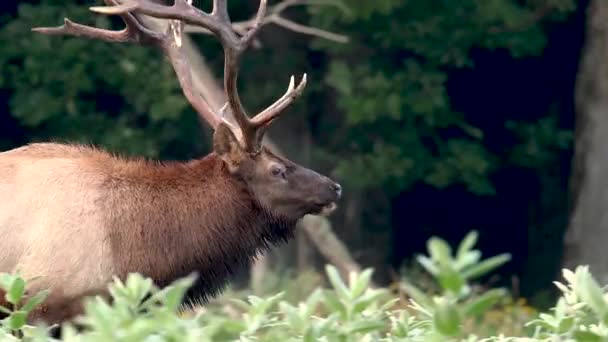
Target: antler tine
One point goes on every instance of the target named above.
(220, 10)
(180, 10)
(257, 24)
(268, 115)
(71, 28)
(232, 54)
(262, 121)
(253, 129)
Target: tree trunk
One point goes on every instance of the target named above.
(587, 234)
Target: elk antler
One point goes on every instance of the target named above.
(251, 131)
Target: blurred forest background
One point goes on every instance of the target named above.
(438, 117)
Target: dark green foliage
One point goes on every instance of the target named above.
(390, 83)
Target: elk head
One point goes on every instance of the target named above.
(278, 184)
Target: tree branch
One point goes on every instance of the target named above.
(275, 17)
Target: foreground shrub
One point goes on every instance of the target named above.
(346, 311)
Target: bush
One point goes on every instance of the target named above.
(346, 311)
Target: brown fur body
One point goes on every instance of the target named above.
(77, 216)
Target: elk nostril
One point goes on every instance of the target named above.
(336, 187)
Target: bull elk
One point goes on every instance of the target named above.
(76, 216)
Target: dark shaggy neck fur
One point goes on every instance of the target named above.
(167, 221)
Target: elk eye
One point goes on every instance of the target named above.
(277, 171)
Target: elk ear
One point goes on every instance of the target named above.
(227, 147)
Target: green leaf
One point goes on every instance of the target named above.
(364, 326)
(486, 266)
(35, 300)
(313, 301)
(234, 326)
(447, 319)
(417, 294)
(590, 292)
(482, 303)
(467, 244)
(336, 282)
(172, 295)
(450, 279)
(468, 259)
(389, 304)
(5, 310)
(334, 304)
(310, 336)
(566, 324)
(363, 302)
(439, 250)
(5, 336)
(587, 336)
(360, 283)
(6, 281)
(16, 291)
(428, 264)
(340, 77)
(137, 287)
(16, 320)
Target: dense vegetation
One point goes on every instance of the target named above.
(346, 311)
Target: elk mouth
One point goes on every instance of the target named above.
(325, 208)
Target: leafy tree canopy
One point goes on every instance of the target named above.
(390, 83)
